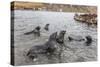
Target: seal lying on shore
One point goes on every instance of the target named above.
(36, 31)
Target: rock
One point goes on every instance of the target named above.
(86, 18)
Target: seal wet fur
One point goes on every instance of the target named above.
(47, 27)
(60, 37)
(88, 40)
(75, 38)
(36, 31)
(48, 48)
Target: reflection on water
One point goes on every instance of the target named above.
(27, 20)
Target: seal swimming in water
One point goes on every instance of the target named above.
(75, 38)
(48, 48)
(46, 27)
(36, 31)
(88, 40)
(60, 37)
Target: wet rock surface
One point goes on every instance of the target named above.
(86, 18)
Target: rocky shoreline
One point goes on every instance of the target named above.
(86, 18)
(37, 6)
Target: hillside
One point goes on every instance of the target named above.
(53, 7)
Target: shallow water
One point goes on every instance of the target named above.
(27, 20)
